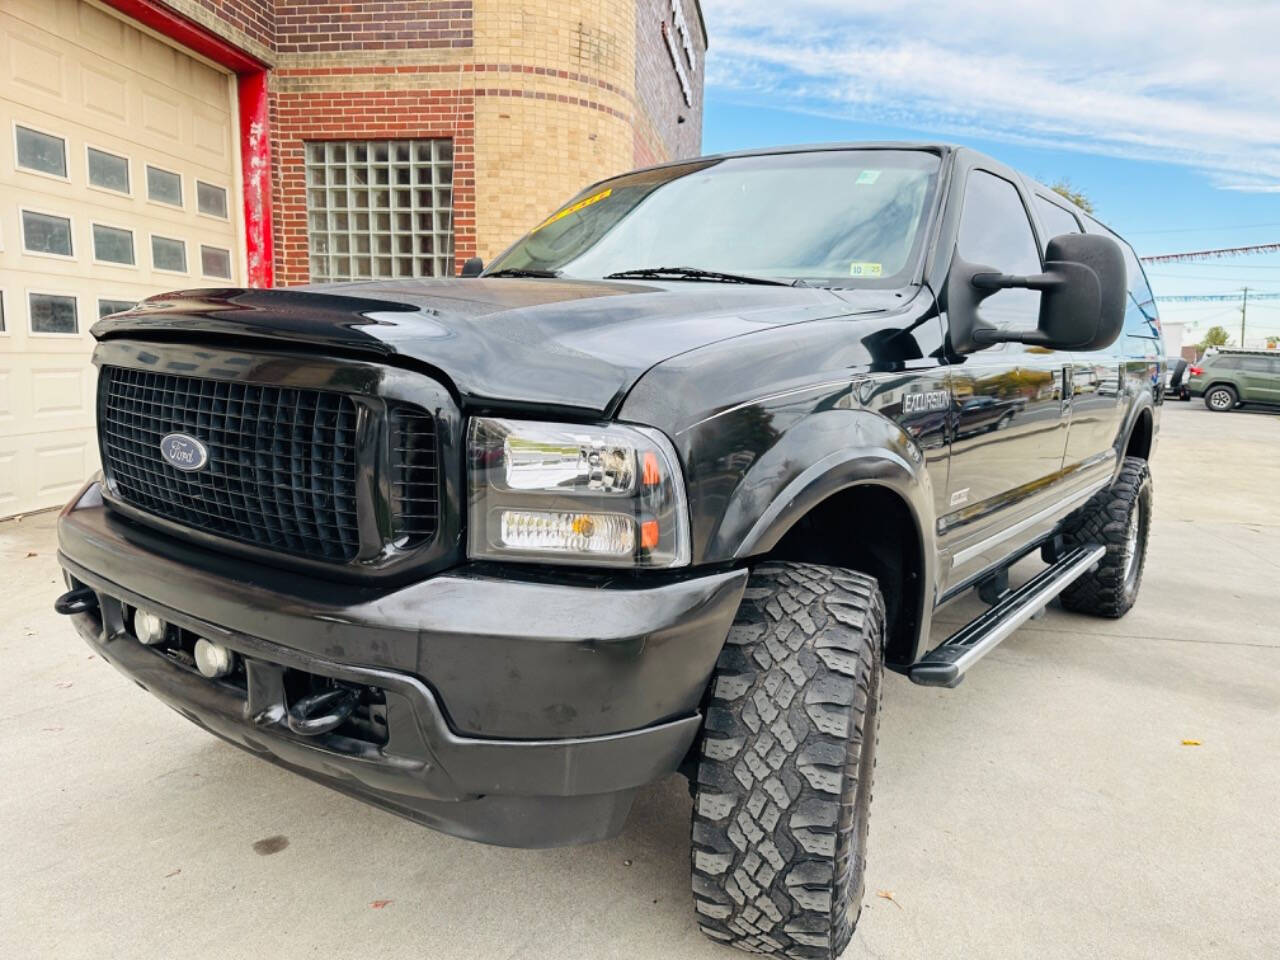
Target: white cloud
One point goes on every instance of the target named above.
(1192, 83)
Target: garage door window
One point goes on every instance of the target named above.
(46, 233)
(211, 200)
(164, 187)
(113, 245)
(215, 262)
(53, 313)
(108, 171)
(169, 254)
(108, 307)
(380, 208)
(41, 152)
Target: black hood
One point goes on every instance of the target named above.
(566, 343)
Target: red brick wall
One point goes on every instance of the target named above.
(255, 18)
(298, 117)
(310, 26)
(660, 135)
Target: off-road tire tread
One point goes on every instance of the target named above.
(779, 821)
(1104, 519)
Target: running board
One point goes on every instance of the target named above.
(945, 665)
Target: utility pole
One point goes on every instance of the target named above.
(1244, 313)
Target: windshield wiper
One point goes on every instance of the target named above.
(691, 273)
(517, 272)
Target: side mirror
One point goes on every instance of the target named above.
(1082, 306)
(472, 267)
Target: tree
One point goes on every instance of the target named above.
(1215, 336)
(1063, 187)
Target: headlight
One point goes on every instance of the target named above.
(562, 493)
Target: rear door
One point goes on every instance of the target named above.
(1010, 432)
(1260, 378)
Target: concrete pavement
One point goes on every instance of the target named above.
(1046, 808)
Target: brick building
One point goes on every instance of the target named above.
(159, 144)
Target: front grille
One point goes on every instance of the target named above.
(415, 488)
(282, 461)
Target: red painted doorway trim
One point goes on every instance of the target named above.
(255, 135)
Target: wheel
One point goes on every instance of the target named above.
(1118, 517)
(1220, 398)
(784, 778)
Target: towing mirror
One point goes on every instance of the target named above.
(1082, 304)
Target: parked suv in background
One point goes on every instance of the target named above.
(1230, 378)
(667, 488)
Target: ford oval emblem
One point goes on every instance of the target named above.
(184, 452)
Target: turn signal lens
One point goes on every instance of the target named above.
(596, 534)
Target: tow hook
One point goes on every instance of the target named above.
(322, 712)
(80, 600)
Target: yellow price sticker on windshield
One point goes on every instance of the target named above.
(860, 268)
(567, 211)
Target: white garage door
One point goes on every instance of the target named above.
(117, 181)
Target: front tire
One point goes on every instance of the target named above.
(1118, 517)
(1221, 398)
(783, 788)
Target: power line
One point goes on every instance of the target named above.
(1244, 295)
(1217, 254)
(1236, 226)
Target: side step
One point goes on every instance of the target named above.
(945, 665)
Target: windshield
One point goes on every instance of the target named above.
(837, 217)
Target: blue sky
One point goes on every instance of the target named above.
(1166, 114)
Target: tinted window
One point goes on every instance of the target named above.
(211, 200)
(1057, 221)
(108, 307)
(52, 313)
(164, 187)
(45, 233)
(168, 254)
(1141, 319)
(1260, 364)
(42, 152)
(108, 171)
(995, 232)
(112, 244)
(1225, 363)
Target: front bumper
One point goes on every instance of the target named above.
(519, 712)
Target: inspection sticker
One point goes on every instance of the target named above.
(580, 205)
(868, 176)
(860, 268)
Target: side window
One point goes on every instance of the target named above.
(1057, 221)
(1257, 364)
(1141, 318)
(995, 232)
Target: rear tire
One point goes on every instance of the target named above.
(1221, 398)
(1119, 518)
(784, 780)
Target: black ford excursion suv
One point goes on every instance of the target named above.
(666, 488)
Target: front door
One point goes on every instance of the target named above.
(1010, 408)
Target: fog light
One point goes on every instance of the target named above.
(213, 659)
(149, 628)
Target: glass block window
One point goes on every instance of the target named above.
(163, 186)
(52, 313)
(46, 233)
(41, 152)
(108, 171)
(380, 208)
(113, 244)
(211, 200)
(108, 307)
(215, 262)
(169, 254)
